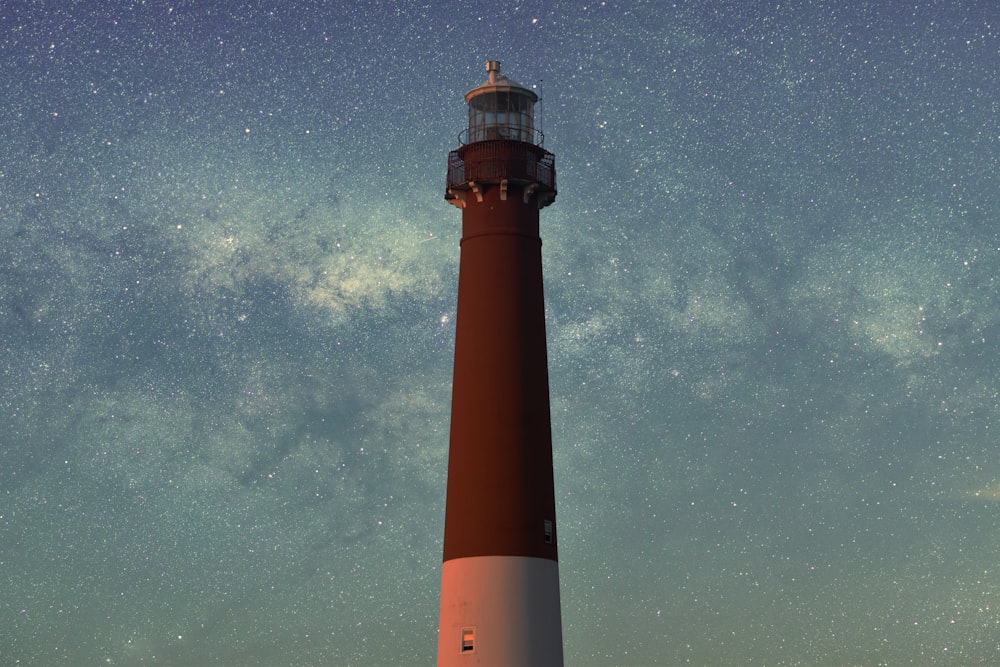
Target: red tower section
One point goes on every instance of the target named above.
(500, 580)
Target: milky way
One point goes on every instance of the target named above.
(228, 280)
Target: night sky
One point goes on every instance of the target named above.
(227, 302)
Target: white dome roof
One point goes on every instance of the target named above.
(498, 83)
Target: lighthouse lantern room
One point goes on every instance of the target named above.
(501, 109)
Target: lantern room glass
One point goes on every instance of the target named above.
(501, 115)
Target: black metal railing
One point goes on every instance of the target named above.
(494, 161)
(534, 136)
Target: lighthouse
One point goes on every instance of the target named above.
(500, 576)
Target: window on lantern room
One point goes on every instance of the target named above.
(500, 115)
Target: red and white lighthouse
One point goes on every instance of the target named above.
(500, 577)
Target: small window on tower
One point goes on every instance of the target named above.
(468, 640)
(548, 531)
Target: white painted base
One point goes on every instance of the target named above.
(506, 606)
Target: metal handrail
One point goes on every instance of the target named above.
(496, 160)
(538, 137)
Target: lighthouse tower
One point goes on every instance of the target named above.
(500, 578)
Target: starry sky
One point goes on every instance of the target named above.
(227, 303)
